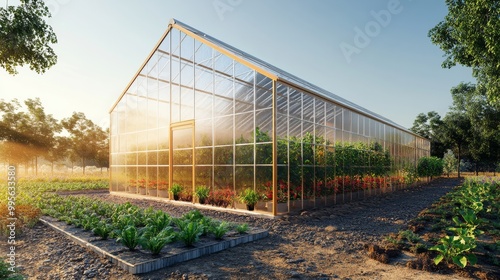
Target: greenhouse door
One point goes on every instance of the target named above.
(181, 158)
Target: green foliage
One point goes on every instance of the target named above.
(102, 229)
(410, 236)
(457, 35)
(158, 221)
(176, 189)
(190, 231)
(90, 221)
(242, 228)
(153, 240)
(7, 274)
(26, 37)
(220, 229)
(450, 162)
(128, 237)
(429, 167)
(202, 192)
(249, 196)
(455, 249)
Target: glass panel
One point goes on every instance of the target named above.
(244, 178)
(224, 155)
(223, 106)
(152, 158)
(203, 54)
(203, 105)
(204, 156)
(244, 128)
(163, 157)
(244, 154)
(142, 158)
(282, 126)
(223, 64)
(152, 139)
(187, 47)
(223, 176)
(203, 133)
(204, 175)
(320, 111)
(264, 153)
(338, 118)
(263, 121)
(183, 176)
(308, 109)
(244, 95)
(224, 130)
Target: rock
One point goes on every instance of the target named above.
(294, 274)
(331, 229)
(299, 260)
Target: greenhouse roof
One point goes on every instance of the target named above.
(270, 71)
(279, 74)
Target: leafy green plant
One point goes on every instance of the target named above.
(5, 273)
(158, 221)
(176, 189)
(410, 236)
(242, 228)
(129, 237)
(455, 249)
(90, 221)
(154, 241)
(102, 229)
(193, 215)
(220, 229)
(249, 196)
(202, 193)
(190, 231)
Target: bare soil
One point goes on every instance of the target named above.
(326, 243)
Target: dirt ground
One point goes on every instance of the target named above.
(322, 243)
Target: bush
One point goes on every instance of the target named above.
(429, 167)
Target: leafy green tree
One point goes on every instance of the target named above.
(428, 126)
(469, 35)
(85, 137)
(25, 37)
(58, 151)
(456, 132)
(102, 156)
(449, 162)
(28, 133)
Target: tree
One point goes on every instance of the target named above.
(58, 151)
(484, 141)
(102, 156)
(456, 132)
(449, 162)
(428, 126)
(469, 36)
(85, 137)
(25, 37)
(27, 134)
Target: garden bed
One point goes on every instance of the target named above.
(140, 261)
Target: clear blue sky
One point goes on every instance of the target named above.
(393, 69)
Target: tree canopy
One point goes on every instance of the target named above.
(25, 37)
(469, 35)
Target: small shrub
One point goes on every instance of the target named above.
(155, 241)
(242, 228)
(220, 230)
(129, 237)
(102, 229)
(5, 273)
(190, 232)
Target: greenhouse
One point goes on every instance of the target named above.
(202, 114)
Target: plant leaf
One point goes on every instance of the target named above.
(472, 259)
(460, 260)
(438, 259)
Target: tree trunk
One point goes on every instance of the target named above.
(458, 161)
(36, 166)
(52, 168)
(83, 165)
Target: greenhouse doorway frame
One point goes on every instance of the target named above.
(176, 127)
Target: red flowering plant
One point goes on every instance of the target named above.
(266, 190)
(152, 184)
(163, 185)
(186, 195)
(132, 183)
(141, 183)
(221, 197)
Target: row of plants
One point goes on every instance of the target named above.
(29, 193)
(132, 226)
(461, 230)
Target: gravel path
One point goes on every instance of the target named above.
(315, 244)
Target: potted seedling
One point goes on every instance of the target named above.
(201, 193)
(250, 197)
(176, 190)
